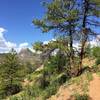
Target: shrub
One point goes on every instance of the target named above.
(96, 52)
(42, 81)
(50, 90)
(56, 63)
(61, 79)
(13, 89)
(14, 98)
(82, 97)
(31, 92)
(97, 61)
(89, 76)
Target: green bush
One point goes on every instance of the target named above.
(33, 91)
(81, 97)
(50, 90)
(14, 98)
(89, 76)
(97, 61)
(2, 93)
(96, 52)
(61, 79)
(56, 63)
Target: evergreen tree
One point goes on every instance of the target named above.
(69, 19)
(9, 78)
(90, 14)
(38, 46)
(62, 17)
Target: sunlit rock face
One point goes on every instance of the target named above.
(26, 55)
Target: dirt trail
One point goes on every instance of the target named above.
(63, 94)
(94, 88)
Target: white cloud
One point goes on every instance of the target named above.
(5, 46)
(23, 45)
(46, 42)
(32, 50)
(95, 43)
(10, 44)
(2, 30)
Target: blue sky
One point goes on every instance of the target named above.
(16, 28)
(16, 18)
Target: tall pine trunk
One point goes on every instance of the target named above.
(84, 32)
(72, 66)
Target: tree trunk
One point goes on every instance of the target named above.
(85, 34)
(72, 66)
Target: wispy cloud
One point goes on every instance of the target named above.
(23, 45)
(5, 46)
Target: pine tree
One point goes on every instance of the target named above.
(71, 19)
(90, 14)
(9, 78)
(62, 17)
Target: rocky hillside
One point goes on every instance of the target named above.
(26, 55)
(81, 87)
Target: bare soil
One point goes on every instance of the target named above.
(94, 88)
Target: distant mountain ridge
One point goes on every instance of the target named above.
(25, 55)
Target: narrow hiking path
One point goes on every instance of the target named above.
(94, 88)
(62, 94)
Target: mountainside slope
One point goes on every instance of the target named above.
(83, 86)
(26, 55)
